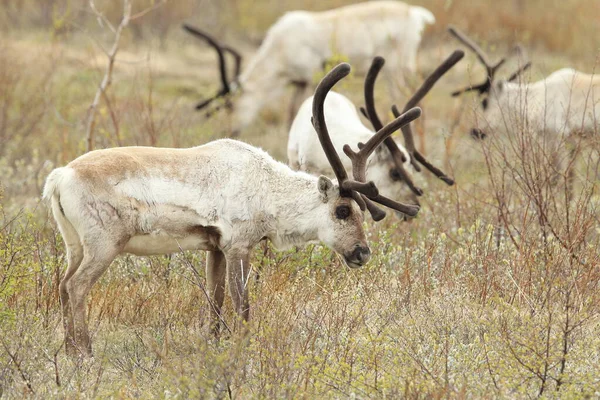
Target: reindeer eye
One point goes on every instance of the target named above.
(484, 104)
(342, 212)
(395, 175)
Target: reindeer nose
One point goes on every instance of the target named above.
(361, 254)
(477, 133)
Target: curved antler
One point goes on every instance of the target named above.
(359, 159)
(491, 70)
(431, 80)
(371, 113)
(352, 188)
(518, 72)
(220, 49)
(318, 120)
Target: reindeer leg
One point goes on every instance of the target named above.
(74, 257)
(95, 261)
(215, 285)
(238, 272)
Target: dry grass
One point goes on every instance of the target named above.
(480, 296)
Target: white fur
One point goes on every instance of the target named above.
(300, 42)
(566, 102)
(230, 185)
(223, 197)
(345, 127)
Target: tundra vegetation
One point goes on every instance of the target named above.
(493, 290)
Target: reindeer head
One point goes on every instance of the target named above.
(489, 90)
(357, 194)
(400, 158)
(344, 233)
(228, 86)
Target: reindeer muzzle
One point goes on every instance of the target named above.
(359, 256)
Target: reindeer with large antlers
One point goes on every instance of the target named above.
(223, 197)
(562, 108)
(565, 103)
(300, 43)
(389, 165)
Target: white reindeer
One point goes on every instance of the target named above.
(222, 197)
(389, 165)
(560, 109)
(300, 43)
(564, 104)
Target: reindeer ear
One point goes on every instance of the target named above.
(326, 188)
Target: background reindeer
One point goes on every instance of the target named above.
(389, 165)
(565, 103)
(222, 197)
(563, 107)
(300, 43)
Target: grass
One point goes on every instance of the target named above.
(455, 303)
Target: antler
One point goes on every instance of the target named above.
(359, 159)
(409, 142)
(371, 113)
(518, 72)
(220, 49)
(368, 191)
(490, 69)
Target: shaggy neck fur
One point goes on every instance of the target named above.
(296, 218)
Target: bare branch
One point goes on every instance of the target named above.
(106, 81)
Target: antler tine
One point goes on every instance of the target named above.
(481, 88)
(348, 188)
(407, 209)
(237, 57)
(225, 89)
(489, 68)
(318, 119)
(205, 103)
(471, 45)
(427, 85)
(363, 111)
(416, 155)
(409, 141)
(371, 113)
(518, 72)
(376, 213)
(376, 66)
(375, 140)
(432, 79)
(359, 160)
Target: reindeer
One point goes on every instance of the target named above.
(389, 166)
(223, 197)
(564, 104)
(300, 43)
(560, 109)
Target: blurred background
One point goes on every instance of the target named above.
(492, 291)
(53, 57)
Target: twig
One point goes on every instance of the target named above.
(147, 10)
(91, 122)
(201, 286)
(13, 357)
